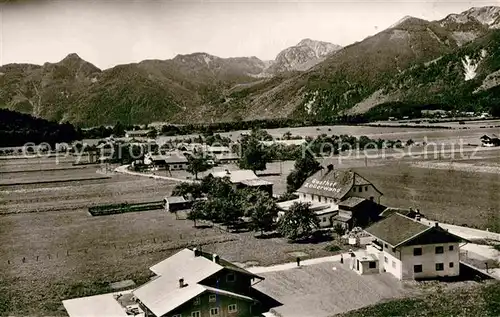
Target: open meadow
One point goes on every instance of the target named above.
(53, 249)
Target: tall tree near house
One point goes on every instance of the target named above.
(197, 164)
(119, 129)
(184, 189)
(298, 222)
(198, 212)
(220, 187)
(304, 167)
(339, 229)
(253, 156)
(153, 133)
(262, 209)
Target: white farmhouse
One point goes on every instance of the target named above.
(408, 249)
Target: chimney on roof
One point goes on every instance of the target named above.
(228, 172)
(215, 258)
(196, 252)
(181, 283)
(436, 224)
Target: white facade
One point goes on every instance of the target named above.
(325, 219)
(422, 261)
(364, 191)
(432, 264)
(318, 199)
(390, 263)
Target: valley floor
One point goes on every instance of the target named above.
(52, 249)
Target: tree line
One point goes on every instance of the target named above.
(18, 129)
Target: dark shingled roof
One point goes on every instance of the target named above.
(352, 201)
(333, 184)
(396, 229)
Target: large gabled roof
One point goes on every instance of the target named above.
(163, 294)
(333, 184)
(398, 230)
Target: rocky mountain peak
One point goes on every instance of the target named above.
(488, 15)
(302, 56)
(72, 56)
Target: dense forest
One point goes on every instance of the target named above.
(17, 129)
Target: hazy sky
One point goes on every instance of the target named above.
(110, 32)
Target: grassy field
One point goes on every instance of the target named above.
(53, 249)
(452, 196)
(476, 300)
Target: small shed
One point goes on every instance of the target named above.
(364, 263)
(176, 203)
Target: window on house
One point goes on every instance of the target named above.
(386, 260)
(304, 196)
(439, 250)
(354, 189)
(450, 248)
(417, 251)
(452, 264)
(417, 268)
(196, 301)
(214, 311)
(212, 298)
(366, 188)
(196, 314)
(439, 266)
(230, 277)
(232, 308)
(372, 265)
(324, 219)
(312, 197)
(393, 264)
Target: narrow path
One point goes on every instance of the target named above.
(124, 170)
(292, 265)
(465, 232)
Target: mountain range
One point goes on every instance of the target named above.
(450, 63)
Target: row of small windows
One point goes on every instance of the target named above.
(360, 189)
(320, 198)
(438, 250)
(177, 165)
(439, 267)
(214, 311)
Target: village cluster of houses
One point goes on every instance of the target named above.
(193, 283)
(177, 158)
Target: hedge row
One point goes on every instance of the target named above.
(113, 209)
